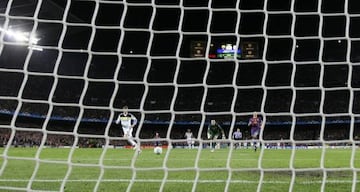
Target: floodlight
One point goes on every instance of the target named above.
(23, 37)
(20, 36)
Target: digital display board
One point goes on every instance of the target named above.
(225, 50)
(228, 51)
(198, 49)
(250, 50)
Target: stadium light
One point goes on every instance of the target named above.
(22, 37)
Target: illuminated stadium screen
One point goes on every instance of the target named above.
(227, 51)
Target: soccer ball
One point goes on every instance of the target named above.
(157, 150)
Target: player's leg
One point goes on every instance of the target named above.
(128, 135)
(210, 136)
(255, 143)
(236, 143)
(254, 134)
(131, 140)
(216, 144)
(189, 143)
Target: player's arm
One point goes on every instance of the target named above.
(222, 131)
(209, 132)
(118, 119)
(133, 120)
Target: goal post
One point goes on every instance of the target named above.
(67, 69)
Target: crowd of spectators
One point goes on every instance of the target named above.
(24, 138)
(96, 120)
(34, 139)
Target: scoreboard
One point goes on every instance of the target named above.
(225, 50)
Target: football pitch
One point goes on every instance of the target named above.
(180, 170)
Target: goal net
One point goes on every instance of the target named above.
(67, 69)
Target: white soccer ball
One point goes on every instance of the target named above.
(158, 150)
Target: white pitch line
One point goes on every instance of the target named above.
(174, 181)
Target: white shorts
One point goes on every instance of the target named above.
(127, 131)
(190, 141)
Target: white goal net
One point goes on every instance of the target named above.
(68, 67)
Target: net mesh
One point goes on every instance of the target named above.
(67, 69)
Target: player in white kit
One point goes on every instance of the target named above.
(189, 138)
(128, 121)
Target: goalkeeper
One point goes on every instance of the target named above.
(213, 132)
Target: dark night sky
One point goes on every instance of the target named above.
(164, 30)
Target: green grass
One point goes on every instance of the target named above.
(236, 170)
